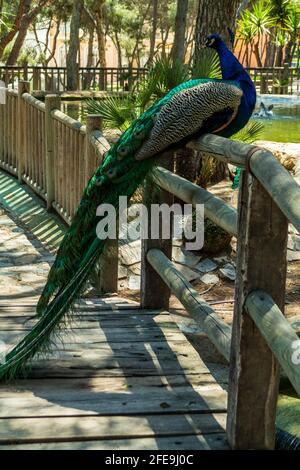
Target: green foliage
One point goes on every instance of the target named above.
(115, 112)
(270, 22)
(163, 76)
(208, 65)
(250, 133)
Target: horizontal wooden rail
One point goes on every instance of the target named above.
(217, 330)
(229, 151)
(68, 121)
(276, 180)
(215, 208)
(33, 101)
(99, 142)
(278, 333)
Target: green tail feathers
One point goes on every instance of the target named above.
(119, 175)
(236, 181)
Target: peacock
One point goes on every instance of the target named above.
(197, 106)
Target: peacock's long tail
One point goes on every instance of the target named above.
(75, 261)
(120, 174)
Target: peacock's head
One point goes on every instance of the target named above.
(214, 41)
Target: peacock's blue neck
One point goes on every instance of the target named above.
(230, 66)
(233, 70)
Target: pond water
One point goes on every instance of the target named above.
(284, 126)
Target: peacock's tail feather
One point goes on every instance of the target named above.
(120, 174)
(70, 272)
(237, 176)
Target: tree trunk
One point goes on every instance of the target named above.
(5, 40)
(99, 16)
(54, 44)
(14, 53)
(180, 27)
(154, 30)
(27, 19)
(279, 56)
(72, 78)
(288, 53)
(215, 16)
(89, 63)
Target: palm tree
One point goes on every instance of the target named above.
(293, 32)
(246, 33)
(261, 20)
(280, 11)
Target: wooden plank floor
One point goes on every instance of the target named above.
(124, 379)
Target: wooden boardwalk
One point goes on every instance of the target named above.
(125, 379)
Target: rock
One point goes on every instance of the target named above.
(130, 232)
(209, 279)
(188, 273)
(220, 259)
(122, 272)
(133, 212)
(130, 253)
(182, 256)
(293, 255)
(216, 239)
(134, 282)
(294, 242)
(288, 154)
(228, 272)
(135, 269)
(206, 266)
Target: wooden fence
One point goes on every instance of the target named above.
(55, 155)
(54, 79)
(274, 80)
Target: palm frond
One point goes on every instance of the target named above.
(117, 112)
(207, 65)
(250, 133)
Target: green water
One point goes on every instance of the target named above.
(284, 126)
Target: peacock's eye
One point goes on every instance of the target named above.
(99, 181)
(112, 172)
(209, 42)
(122, 151)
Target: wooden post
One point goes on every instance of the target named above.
(285, 79)
(51, 102)
(77, 73)
(35, 78)
(93, 123)
(261, 264)
(25, 71)
(154, 292)
(23, 87)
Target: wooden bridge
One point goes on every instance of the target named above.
(130, 379)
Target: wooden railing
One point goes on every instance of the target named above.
(55, 155)
(261, 338)
(48, 150)
(274, 80)
(54, 79)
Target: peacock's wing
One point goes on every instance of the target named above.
(206, 107)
